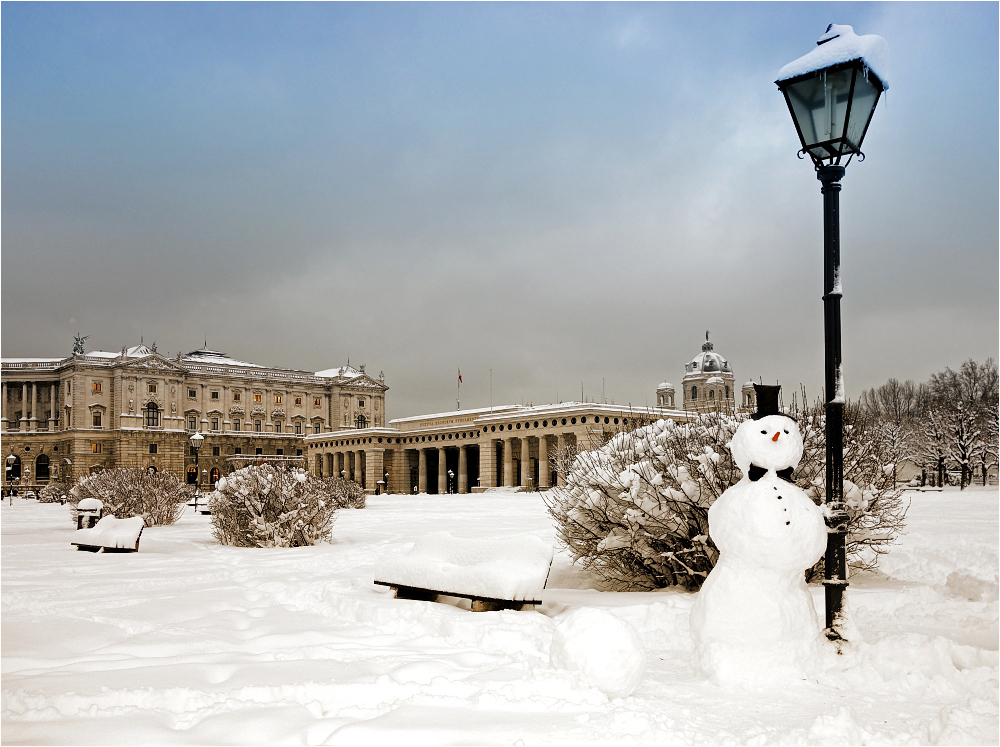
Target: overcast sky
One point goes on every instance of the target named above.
(562, 193)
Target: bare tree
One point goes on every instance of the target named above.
(158, 497)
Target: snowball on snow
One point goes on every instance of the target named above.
(841, 44)
(603, 649)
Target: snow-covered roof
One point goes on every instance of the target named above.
(343, 372)
(714, 380)
(138, 351)
(101, 354)
(707, 361)
(665, 385)
(215, 358)
(841, 44)
(458, 413)
(31, 360)
(748, 385)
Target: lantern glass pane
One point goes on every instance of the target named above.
(820, 105)
(865, 98)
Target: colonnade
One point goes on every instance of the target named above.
(31, 398)
(512, 461)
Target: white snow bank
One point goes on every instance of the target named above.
(90, 504)
(111, 532)
(841, 44)
(514, 568)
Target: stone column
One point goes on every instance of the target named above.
(544, 471)
(488, 463)
(374, 466)
(508, 462)
(33, 421)
(525, 462)
(421, 471)
(24, 407)
(463, 469)
(561, 444)
(53, 412)
(400, 477)
(3, 406)
(442, 472)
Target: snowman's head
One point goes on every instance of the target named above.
(773, 442)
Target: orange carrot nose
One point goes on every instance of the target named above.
(775, 438)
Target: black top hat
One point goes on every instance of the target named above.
(767, 400)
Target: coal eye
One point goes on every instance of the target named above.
(764, 431)
(786, 431)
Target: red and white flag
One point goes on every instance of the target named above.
(460, 376)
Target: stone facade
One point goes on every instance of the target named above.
(65, 417)
(470, 450)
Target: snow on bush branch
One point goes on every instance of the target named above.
(158, 497)
(269, 506)
(635, 510)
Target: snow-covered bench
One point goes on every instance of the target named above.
(88, 512)
(110, 535)
(495, 574)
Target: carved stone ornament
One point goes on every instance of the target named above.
(152, 398)
(131, 387)
(131, 405)
(173, 408)
(277, 412)
(173, 391)
(258, 411)
(236, 410)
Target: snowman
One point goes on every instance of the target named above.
(754, 618)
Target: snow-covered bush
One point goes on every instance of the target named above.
(54, 492)
(635, 510)
(344, 493)
(268, 506)
(158, 497)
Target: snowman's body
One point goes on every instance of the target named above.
(754, 617)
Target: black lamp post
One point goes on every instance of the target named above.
(196, 441)
(831, 94)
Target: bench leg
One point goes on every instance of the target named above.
(409, 592)
(488, 605)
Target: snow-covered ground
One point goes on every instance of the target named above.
(189, 642)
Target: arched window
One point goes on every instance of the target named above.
(361, 422)
(213, 476)
(694, 392)
(727, 392)
(42, 468)
(152, 415)
(711, 394)
(192, 475)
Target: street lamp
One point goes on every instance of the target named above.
(196, 441)
(831, 94)
(451, 481)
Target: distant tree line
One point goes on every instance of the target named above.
(945, 425)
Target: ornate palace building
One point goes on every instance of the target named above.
(66, 417)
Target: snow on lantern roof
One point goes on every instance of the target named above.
(665, 385)
(346, 372)
(840, 44)
(714, 380)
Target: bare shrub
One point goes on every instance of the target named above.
(344, 493)
(272, 506)
(158, 497)
(54, 492)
